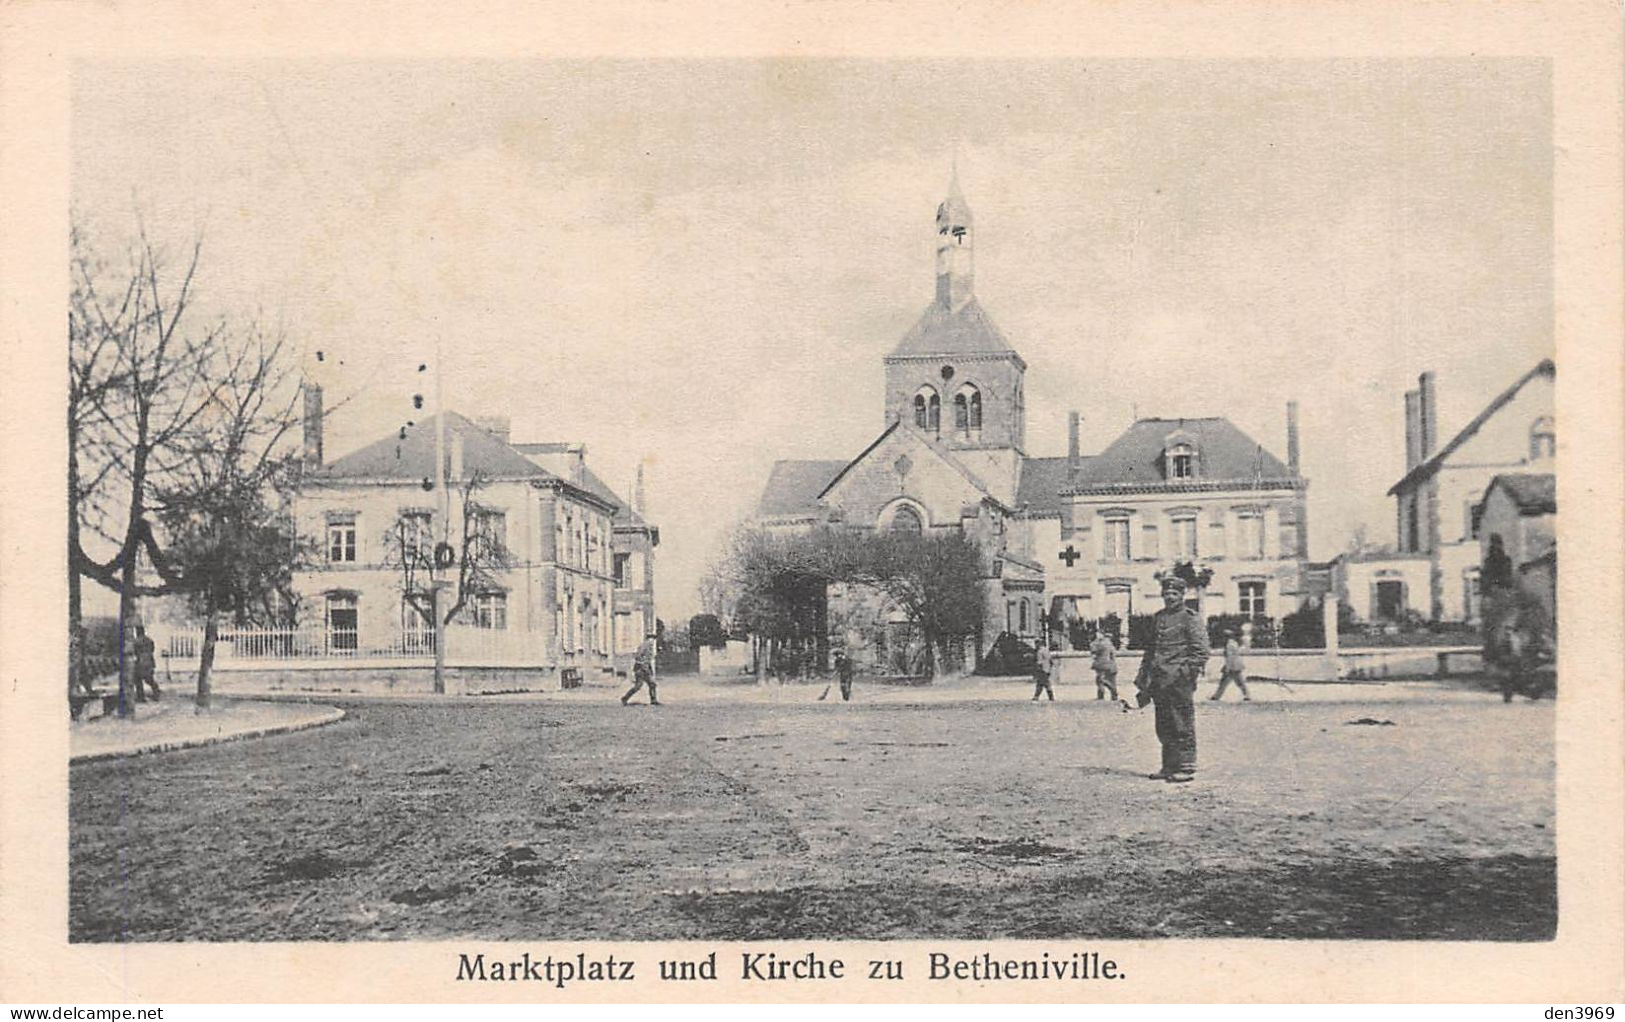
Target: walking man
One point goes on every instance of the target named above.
(1235, 669)
(1168, 672)
(1043, 664)
(843, 668)
(1105, 664)
(643, 671)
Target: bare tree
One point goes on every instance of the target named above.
(138, 380)
(225, 507)
(479, 554)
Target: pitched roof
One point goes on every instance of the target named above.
(940, 331)
(1223, 453)
(624, 513)
(1534, 492)
(410, 455)
(1042, 480)
(1545, 367)
(793, 486)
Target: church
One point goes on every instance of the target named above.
(1067, 537)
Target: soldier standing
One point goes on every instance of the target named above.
(643, 671)
(146, 666)
(1043, 665)
(1105, 664)
(843, 668)
(1235, 668)
(1168, 672)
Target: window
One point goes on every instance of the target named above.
(1250, 599)
(1114, 535)
(1148, 542)
(1179, 456)
(416, 535)
(906, 519)
(491, 610)
(622, 566)
(417, 634)
(343, 628)
(341, 539)
(488, 533)
(1184, 541)
(1215, 539)
(1021, 619)
(928, 409)
(1543, 439)
(1250, 534)
(1412, 526)
(968, 409)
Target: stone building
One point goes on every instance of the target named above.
(1072, 536)
(578, 585)
(1436, 499)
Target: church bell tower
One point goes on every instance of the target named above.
(956, 265)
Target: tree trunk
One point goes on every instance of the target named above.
(930, 652)
(126, 631)
(205, 663)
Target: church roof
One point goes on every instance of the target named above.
(1534, 492)
(411, 456)
(794, 485)
(1223, 453)
(940, 331)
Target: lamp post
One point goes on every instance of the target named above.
(436, 582)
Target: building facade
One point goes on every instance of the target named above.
(1062, 537)
(555, 570)
(1435, 502)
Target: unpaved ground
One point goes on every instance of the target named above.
(889, 819)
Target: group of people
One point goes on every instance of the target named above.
(1174, 659)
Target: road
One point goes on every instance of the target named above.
(886, 818)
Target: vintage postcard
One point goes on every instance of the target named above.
(829, 503)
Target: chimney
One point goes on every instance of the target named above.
(313, 425)
(1413, 429)
(1292, 437)
(1072, 442)
(499, 426)
(637, 493)
(1428, 415)
(578, 463)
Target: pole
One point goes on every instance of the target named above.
(445, 519)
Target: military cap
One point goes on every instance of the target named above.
(1173, 582)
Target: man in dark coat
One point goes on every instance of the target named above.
(643, 671)
(1168, 671)
(844, 669)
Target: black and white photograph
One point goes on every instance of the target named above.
(772, 501)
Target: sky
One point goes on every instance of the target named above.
(698, 265)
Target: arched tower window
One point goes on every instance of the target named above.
(1543, 439)
(927, 409)
(968, 409)
(906, 519)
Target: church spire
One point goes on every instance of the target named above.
(955, 251)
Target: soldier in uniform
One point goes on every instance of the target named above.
(1105, 664)
(1043, 666)
(643, 671)
(1235, 669)
(844, 668)
(146, 666)
(1168, 672)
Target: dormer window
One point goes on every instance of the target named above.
(1543, 439)
(1180, 460)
